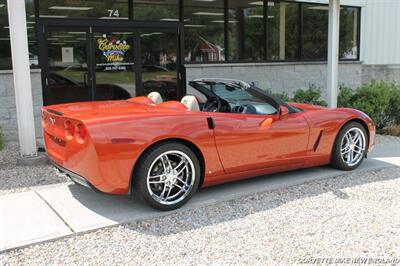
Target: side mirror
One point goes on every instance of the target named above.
(283, 111)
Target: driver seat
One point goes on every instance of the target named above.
(155, 97)
(191, 103)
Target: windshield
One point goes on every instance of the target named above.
(233, 93)
(235, 97)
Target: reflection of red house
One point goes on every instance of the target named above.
(207, 51)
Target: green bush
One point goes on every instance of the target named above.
(345, 96)
(312, 95)
(284, 96)
(394, 105)
(379, 100)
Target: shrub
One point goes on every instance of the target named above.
(345, 96)
(379, 100)
(284, 96)
(394, 105)
(312, 95)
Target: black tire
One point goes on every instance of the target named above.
(337, 160)
(140, 185)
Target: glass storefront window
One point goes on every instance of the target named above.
(349, 19)
(67, 80)
(163, 11)
(5, 47)
(159, 63)
(283, 31)
(204, 27)
(315, 32)
(204, 31)
(32, 42)
(115, 65)
(246, 30)
(100, 9)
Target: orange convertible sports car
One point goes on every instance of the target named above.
(223, 130)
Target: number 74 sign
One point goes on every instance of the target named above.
(113, 12)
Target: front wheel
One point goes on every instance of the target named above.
(350, 147)
(167, 176)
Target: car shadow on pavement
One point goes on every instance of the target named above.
(229, 201)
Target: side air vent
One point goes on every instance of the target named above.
(316, 144)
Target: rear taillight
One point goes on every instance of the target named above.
(81, 133)
(69, 130)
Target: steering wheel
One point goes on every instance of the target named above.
(213, 104)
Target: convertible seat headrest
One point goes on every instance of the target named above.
(191, 103)
(155, 97)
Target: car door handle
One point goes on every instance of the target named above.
(210, 122)
(266, 123)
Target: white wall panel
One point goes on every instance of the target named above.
(380, 32)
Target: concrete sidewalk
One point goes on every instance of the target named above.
(51, 212)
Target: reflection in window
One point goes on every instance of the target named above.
(283, 29)
(115, 66)
(167, 10)
(349, 19)
(315, 33)
(159, 58)
(5, 47)
(32, 42)
(246, 30)
(101, 9)
(204, 31)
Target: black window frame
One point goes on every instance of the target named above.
(181, 6)
(300, 57)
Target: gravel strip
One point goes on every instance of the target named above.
(15, 178)
(354, 215)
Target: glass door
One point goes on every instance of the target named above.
(67, 76)
(115, 68)
(159, 63)
(109, 63)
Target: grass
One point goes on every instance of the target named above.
(393, 131)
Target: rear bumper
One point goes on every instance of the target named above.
(77, 179)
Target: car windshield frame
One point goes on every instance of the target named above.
(199, 85)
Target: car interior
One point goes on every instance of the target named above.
(225, 97)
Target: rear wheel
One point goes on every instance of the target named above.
(350, 147)
(167, 176)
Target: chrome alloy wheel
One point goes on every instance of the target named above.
(171, 177)
(352, 147)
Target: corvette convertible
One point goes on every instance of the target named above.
(223, 130)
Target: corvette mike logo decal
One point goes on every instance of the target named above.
(113, 49)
